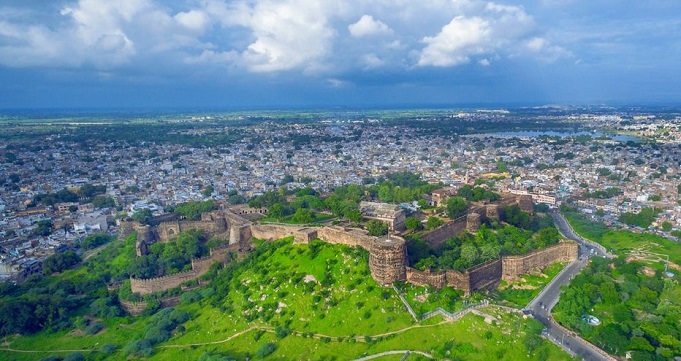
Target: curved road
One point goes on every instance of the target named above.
(540, 307)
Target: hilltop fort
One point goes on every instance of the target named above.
(388, 260)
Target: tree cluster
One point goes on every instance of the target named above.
(642, 219)
(603, 193)
(168, 258)
(477, 193)
(60, 262)
(634, 311)
(489, 243)
(95, 240)
(192, 210)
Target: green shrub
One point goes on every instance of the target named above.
(265, 349)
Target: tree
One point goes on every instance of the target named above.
(95, 240)
(265, 349)
(516, 217)
(547, 236)
(456, 207)
(354, 215)
(277, 211)
(143, 216)
(207, 191)
(666, 226)
(433, 222)
(303, 215)
(376, 228)
(642, 219)
(44, 227)
(489, 251)
(469, 253)
(287, 179)
(102, 201)
(59, 262)
(236, 199)
(412, 224)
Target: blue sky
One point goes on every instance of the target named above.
(335, 53)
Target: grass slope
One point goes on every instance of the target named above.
(340, 313)
(623, 240)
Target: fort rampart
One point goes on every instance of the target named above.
(387, 255)
(489, 274)
(213, 223)
(199, 267)
(438, 236)
(514, 266)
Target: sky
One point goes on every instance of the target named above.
(235, 54)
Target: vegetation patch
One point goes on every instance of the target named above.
(520, 292)
(622, 241)
(639, 311)
(284, 300)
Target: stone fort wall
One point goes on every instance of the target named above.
(438, 236)
(489, 274)
(513, 266)
(387, 256)
(199, 267)
(213, 223)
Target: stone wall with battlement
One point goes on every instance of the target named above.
(489, 274)
(158, 284)
(423, 278)
(199, 267)
(485, 276)
(350, 237)
(459, 281)
(248, 210)
(272, 232)
(214, 224)
(438, 236)
(514, 266)
(234, 218)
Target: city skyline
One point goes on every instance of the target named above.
(288, 54)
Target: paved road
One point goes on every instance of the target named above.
(540, 307)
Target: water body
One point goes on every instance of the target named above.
(553, 133)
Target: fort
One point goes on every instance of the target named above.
(489, 274)
(199, 267)
(388, 260)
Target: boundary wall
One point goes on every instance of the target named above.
(387, 255)
(488, 275)
(199, 267)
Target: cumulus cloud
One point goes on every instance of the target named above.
(288, 35)
(367, 26)
(371, 61)
(491, 30)
(458, 40)
(270, 36)
(546, 51)
(195, 20)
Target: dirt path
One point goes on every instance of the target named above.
(396, 352)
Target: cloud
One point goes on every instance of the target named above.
(458, 40)
(545, 51)
(492, 29)
(195, 20)
(268, 36)
(337, 83)
(367, 26)
(288, 35)
(371, 61)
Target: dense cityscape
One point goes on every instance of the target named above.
(603, 173)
